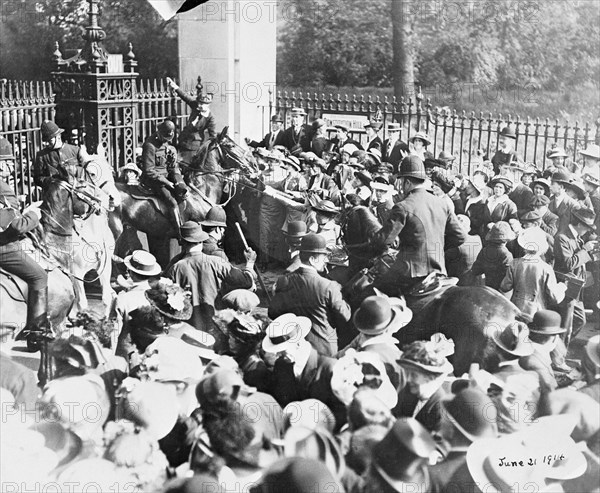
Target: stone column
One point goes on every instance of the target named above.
(231, 44)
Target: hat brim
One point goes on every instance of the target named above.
(213, 224)
(400, 317)
(183, 316)
(446, 368)
(195, 238)
(305, 326)
(156, 268)
(58, 132)
(549, 331)
(459, 427)
(587, 154)
(420, 137)
(525, 351)
(507, 184)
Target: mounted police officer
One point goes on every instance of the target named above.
(13, 225)
(160, 171)
(58, 160)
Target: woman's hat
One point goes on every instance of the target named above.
(504, 180)
(472, 413)
(477, 186)
(192, 232)
(429, 356)
(285, 330)
(562, 175)
(421, 136)
(309, 413)
(294, 162)
(406, 446)
(131, 167)
(593, 151)
(500, 231)
(514, 339)
(49, 130)
(170, 300)
(380, 183)
(442, 179)
(533, 240)
(142, 263)
(557, 152)
(592, 180)
(326, 206)
(577, 186)
(349, 149)
(375, 154)
(216, 217)
(376, 315)
(542, 182)
(171, 358)
(222, 383)
(508, 132)
(585, 216)
(546, 322)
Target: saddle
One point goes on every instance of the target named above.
(142, 192)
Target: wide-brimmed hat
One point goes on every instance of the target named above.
(394, 127)
(216, 217)
(326, 206)
(421, 136)
(298, 112)
(500, 231)
(50, 129)
(504, 180)
(6, 149)
(177, 357)
(429, 356)
(142, 263)
(593, 151)
(557, 152)
(375, 154)
(381, 183)
(592, 180)
(131, 167)
(406, 446)
(478, 187)
(561, 175)
(546, 322)
(472, 413)
(296, 229)
(170, 300)
(192, 232)
(533, 240)
(349, 149)
(285, 330)
(508, 132)
(294, 162)
(542, 182)
(377, 315)
(514, 339)
(202, 343)
(585, 216)
(308, 413)
(576, 184)
(241, 300)
(412, 167)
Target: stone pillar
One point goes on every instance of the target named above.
(231, 44)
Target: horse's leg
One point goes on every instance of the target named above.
(160, 247)
(105, 274)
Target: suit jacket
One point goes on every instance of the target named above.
(193, 134)
(430, 415)
(266, 142)
(541, 364)
(376, 143)
(563, 211)
(521, 196)
(306, 293)
(325, 186)
(296, 142)
(550, 223)
(394, 155)
(569, 255)
(425, 227)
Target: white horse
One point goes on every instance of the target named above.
(93, 241)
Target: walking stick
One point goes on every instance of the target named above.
(258, 275)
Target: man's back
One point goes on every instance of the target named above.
(305, 293)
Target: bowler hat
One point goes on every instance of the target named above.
(241, 300)
(514, 339)
(313, 243)
(393, 127)
(508, 132)
(472, 413)
(298, 112)
(585, 216)
(205, 98)
(531, 216)
(446, 156)
(593, 151)
(216, 217)
(277, 118)
(142, 263)
(376, 315)
(285, 330)
(504, 180)
(326, 206)
(296, 229)
(546, 322)
(557, 152)
(539, 201)
(6, 150)
(50, 129)
(412, 167)
(542, 182)
(562, 175)
(131, 167)
(421, 136)
(592, 180)
(500, 231)
(402, 452)
(192, 232)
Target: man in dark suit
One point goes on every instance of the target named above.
(521, 194)
(273, 138)
(320, 142)
(305, 293)
(394, 149)
(342, 138)
(425, 226)
(373, 139)
(297, 137)
(299, 371)
(560, 203)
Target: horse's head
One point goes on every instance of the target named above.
(235, 156)
(99, 175)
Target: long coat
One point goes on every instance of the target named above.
(306, 293)
(297, 142)
(430, 415)
(425, 227)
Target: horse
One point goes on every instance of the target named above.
(205, 176)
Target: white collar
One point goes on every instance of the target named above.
(473, 200)
(196, 248)
(514, 362)
(302, 358)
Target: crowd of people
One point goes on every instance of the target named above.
(192, 386)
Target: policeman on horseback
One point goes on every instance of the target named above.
(59, 159)
(13, 225)
(160, 170)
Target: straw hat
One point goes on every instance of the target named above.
(284, 331)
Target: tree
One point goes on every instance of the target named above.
(403, 66)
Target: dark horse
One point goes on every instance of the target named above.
(206, 176)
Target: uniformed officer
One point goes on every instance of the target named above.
(200, 122)
(58, 160)
(160, 171)
(13, 225)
